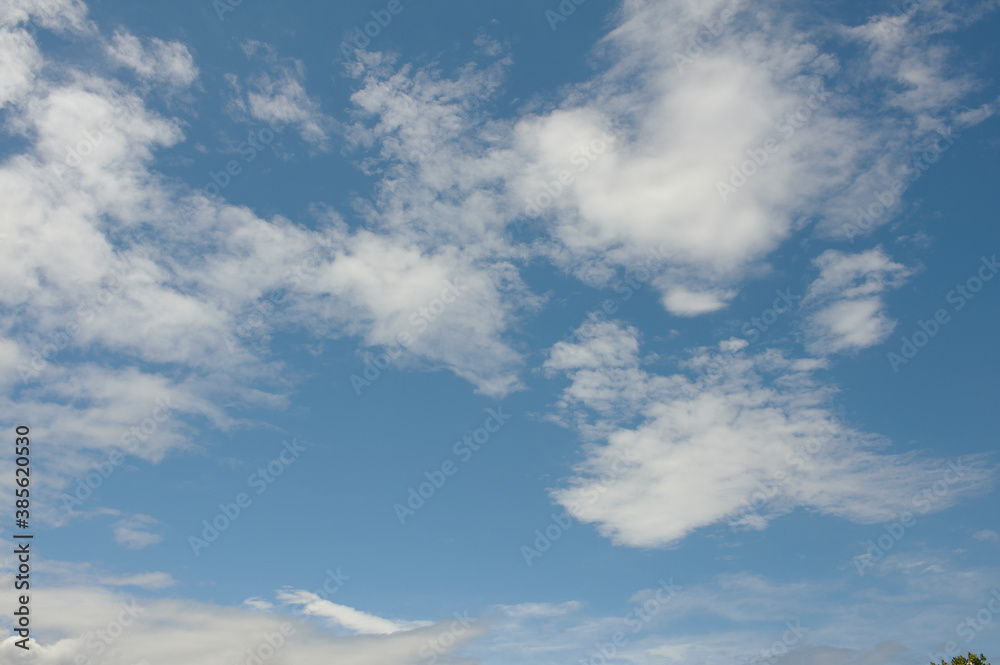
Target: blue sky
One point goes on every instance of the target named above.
(651, 331)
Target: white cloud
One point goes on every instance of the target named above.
(537, 610)
(901, 49)
(849, 325)
(92, 242)
(684, 302)
(57, 15)
(618, 167)
(750, 437)
(157, 580)
(855, 275)
(77, 573)
(849, 313)
(279, 95)
(131, 532)
(742, 616)
(21, 61)
(84, 202)
(170, 62)
(354, 620)
(258, 604)
(184, 631)
(450, 309)
(987, 536)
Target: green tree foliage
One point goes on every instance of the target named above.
(971, 659)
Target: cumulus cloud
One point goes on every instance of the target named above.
(752, 436)
(94, 244)
(724, 147)
(685, 302)
(169, 62)
(848, 311)
(118, 276)
(718, 155)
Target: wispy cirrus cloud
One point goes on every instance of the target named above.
(361, 623)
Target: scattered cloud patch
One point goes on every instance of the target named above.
(278, 95)
(132, 532)
(849, 313)
(752, 436)
(168, 62)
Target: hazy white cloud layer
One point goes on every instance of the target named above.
(824, 621)
(161, 632)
